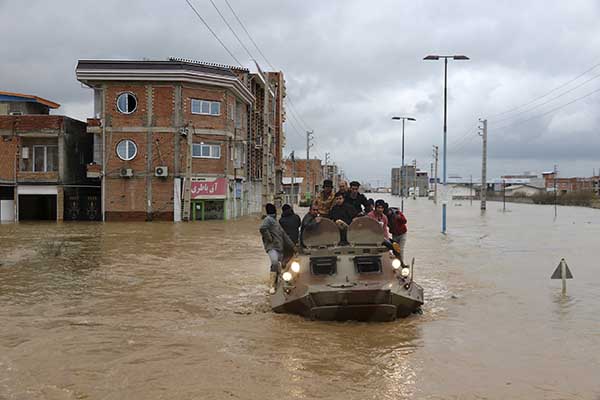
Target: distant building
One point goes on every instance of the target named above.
(566, 185)
(410, 173)
(312, 185)
(43, 163)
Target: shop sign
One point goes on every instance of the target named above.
(216, 188)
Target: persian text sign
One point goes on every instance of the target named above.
(209, 189)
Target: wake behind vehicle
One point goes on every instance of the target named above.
(357, 279)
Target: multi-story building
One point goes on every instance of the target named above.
(310, 186)
(409, 173)
(180, 139)
(566, 185)
(42, 163)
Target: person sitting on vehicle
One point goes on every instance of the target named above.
(357, 199)
(275, 242)
(397, 224)
(325, 199)
(342, 213)
(310, 221)
(378, 215)
(343, 187)
(290, 222)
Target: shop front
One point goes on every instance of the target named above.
(208, 198)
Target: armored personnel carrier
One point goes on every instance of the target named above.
(359, 278)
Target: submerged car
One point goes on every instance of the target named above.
(357, 277)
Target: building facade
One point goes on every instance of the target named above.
(574, 184)
(311, 186)
(179, 139)
(42, 163)
(414, 179)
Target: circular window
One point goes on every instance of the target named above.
(126, 103)
(126, 150)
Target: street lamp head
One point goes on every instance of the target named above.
(460, 57)
(432, 57)
(396, 118)
(411, 119)
(407, 118)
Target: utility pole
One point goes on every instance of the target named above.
(293, 177)
(555, 194)
(471, 190)
(503, 195)
(415, 182)
(327, 174)
(435, 181)
(187, 183)
(483, 163)
(309, 136)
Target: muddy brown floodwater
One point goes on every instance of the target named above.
(179, 311)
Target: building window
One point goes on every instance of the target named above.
(201, 150)
(206, 107)
(126, 150)
(45, 158)
(126, 103)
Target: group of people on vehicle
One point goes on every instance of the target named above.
(281, 238)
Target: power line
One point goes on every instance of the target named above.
(549, 101)
(231, 29)
(213, 33)
(549, 111)
(248, 34)
(548, 93)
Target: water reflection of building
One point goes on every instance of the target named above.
(181, 139)
(42, 163)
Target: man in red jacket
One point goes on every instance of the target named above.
(397, 225)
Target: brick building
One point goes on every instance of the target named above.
(179, 139)
(42, 163)
(313, 184)
(566, 185)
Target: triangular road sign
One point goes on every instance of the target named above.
(557, 272)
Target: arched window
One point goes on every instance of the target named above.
(126, 103)
(126, 149)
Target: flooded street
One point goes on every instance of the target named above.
(179, 311)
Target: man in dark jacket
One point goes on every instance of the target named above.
(310, 221)
(342, 212)
(290, 222)
(275, 241)
(357, 199)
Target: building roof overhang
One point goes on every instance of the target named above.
(92, 71)
(15, 97)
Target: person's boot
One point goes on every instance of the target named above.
(272, 282)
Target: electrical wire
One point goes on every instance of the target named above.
(248, 34)
(547, 94)
(549, 111)
(231, 29)
(547, 101)
(213, 32)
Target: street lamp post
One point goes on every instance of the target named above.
(403, 170)
(437, 57)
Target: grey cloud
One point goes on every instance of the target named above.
(349, 66)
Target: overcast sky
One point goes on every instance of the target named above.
(350, 66)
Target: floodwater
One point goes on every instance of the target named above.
(179, 311)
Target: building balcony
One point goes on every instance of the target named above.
(94, 125)
(34, 177)
(93, 171)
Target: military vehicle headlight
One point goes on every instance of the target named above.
(295, 266)
(396, 263)
(405, 272)
(287, 276)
